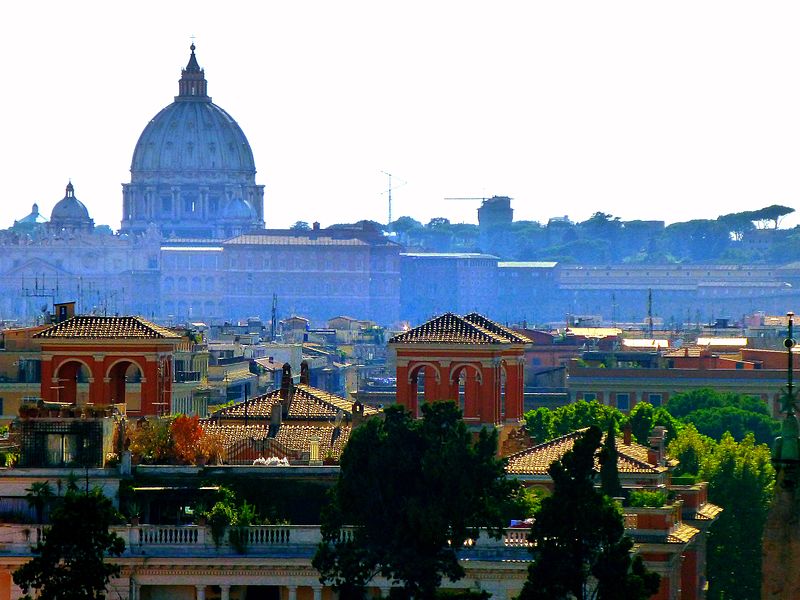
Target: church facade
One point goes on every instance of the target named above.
(192, 243)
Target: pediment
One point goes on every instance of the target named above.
(36, 267)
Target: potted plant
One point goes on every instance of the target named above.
(133, 512)
(219, 518)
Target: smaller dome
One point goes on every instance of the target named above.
(69, 208)
(238, 209)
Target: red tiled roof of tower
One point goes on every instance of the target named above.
(449, 329)
(98, 327)
(497, 328)
(632, 458)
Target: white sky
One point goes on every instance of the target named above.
(650, 110)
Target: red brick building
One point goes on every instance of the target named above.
(470, 359)
(106, 353)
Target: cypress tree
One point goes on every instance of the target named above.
(609, 469)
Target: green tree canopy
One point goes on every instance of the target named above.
(773, 213)
(680, 405)
(580, 544)
(690, 448)
(413, 491)
(543, 424)
(714, 422)
(68, 564)
(713, 413)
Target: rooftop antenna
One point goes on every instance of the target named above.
(613, 309)
(273, 325)
(650, 313)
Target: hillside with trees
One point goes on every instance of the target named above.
(744, 237)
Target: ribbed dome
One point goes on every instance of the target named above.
(192, 134)
(192, 173)
(69, 208)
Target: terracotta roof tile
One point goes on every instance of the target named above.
(497, 328)
(452, 329)
(291, 438)
(307, 403)
(632, 458)
(682, 534)
(707, 512)
(96, 327)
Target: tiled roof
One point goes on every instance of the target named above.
(631, 458)
(291, 438)
(497, 329)
(690, 351)
(95, 327)
(707, 512)
(452, 329)
(682, 534)
(307, 403)
(305, 239)
(298, 438)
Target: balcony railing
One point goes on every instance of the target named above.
(272, 540)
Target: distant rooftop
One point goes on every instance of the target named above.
(448, 255)
(453, 329)
(541, 264)
(96, 327)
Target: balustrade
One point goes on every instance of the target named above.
(187, 540)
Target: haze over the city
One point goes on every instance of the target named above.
(642, 110)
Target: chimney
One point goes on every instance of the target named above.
(655, 454)
(626, 434)
(275, 419)
(358, 413)
(286, 388)
(305, 379)
(315, 226)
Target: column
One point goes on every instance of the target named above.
(201, 592)
(430, 385)
(472, 391)
(135, 589)
(224, 591)
(292, 592)
(489, 394)
(317, 592)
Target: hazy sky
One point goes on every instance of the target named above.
(650, 110)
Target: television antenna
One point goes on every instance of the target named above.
(388, 192)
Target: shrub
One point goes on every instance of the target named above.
(644, 498)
